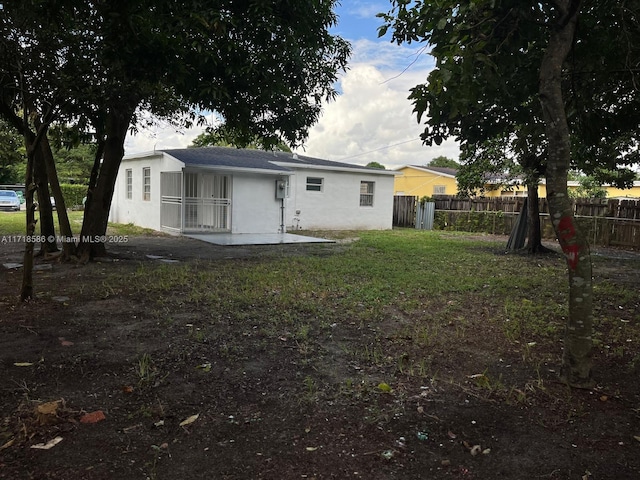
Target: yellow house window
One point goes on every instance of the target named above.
(439, 189)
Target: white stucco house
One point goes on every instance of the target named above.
(220, 189)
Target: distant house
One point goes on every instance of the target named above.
(219, 189)
(426, 181)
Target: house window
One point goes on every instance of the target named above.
(314, 184)
(366, 194)
(146, 183)
(129, 181)
(439, 189)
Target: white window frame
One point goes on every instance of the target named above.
(315, 184)
(439, 189)
(367, 190)
(129, 183)
(146, 184)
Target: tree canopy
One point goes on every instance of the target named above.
(219, 136)
(376, 165)
(443, 162)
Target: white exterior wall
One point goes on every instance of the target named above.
(136, 210)
(337, 207)
(254, 207)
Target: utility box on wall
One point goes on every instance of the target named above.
(281, 189)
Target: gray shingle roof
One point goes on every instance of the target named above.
(253, 159)
(226, 157)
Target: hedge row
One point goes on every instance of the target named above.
(73, 195)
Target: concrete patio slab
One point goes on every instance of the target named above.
(255, 238)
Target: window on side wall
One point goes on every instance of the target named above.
(315, 184)
(129, 180)
(146, 183)
(366, 194)
(439, 189)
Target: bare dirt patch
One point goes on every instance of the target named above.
(352, 401)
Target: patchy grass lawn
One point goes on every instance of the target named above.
(399, 354)
(14, 223)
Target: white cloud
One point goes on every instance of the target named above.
(366, 9)
(371, 120)
(162, 135)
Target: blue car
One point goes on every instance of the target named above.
(9, 200)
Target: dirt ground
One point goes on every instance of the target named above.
(70, 358)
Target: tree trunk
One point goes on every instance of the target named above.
(26, 291)
(98, 204)
(576, 362)
(68, 244)
(45, 209)
(31, 143)
(534, 236)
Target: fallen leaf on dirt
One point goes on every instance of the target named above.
(127, 389)
(445, 463)
(189, 420)
(637, 437)
(604, 398)
(384, 387)
(475, 450)
(7, 444)
(159, 423)
(420, 409)
(48, 445)
(486, 451)
(93, 417)
(49, 408)
(23, 364)
(311, 449)
(451, 435)
(476, 375)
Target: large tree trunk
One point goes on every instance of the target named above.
(98, 204)
(68, 244)
(31, 143)
(534, 235)
(45, 209)
(26, 291)
(576, 364)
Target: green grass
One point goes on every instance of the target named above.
(14, 223)
(435, 290)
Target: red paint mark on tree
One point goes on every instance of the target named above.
(568, 241)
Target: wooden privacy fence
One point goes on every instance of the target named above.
(604, 221)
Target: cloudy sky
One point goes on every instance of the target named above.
(371, 119)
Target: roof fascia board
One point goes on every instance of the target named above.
(297, 166)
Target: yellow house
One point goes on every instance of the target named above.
(572, 185)
(425, 181)
(422, 181)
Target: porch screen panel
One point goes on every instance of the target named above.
(171, 200)
(191, 201)
(215, 202)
